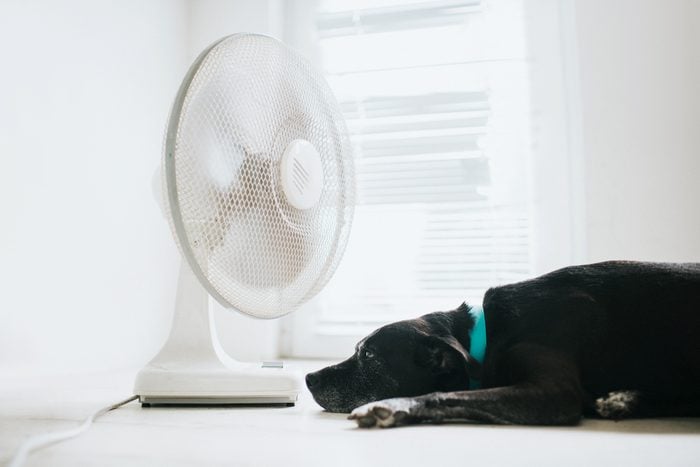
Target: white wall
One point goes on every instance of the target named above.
(87, 265)
(639, 63)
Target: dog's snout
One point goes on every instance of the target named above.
(312, 380)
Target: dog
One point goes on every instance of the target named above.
(615, 340)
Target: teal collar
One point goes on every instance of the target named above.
(477, 340)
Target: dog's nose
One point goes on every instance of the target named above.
(311, 380)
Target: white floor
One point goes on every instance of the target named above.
(304, 435)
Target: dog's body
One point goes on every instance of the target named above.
(614, 339)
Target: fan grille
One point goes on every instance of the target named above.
(242, 103)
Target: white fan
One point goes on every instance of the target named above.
(258, 188)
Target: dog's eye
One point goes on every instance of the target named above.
(367, 354)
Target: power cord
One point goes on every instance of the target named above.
(41, 441)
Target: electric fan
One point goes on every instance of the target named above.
(258, 188)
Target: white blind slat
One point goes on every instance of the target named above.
(393, 18)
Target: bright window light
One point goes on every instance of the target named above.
(436, 98)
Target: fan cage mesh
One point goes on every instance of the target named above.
(243, 101)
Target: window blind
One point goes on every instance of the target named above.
(392, 17)
(435, 95)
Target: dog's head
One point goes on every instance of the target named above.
(403, 359)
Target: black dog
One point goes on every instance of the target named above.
(614, 339)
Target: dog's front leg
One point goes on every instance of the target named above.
(524, 404)
(546, 391)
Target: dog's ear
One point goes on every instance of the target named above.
(440, 354)
(445, 355)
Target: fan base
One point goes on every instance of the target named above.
(212, 402)
(247, 385)
(192, 368)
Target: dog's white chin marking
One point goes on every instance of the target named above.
(383, 414)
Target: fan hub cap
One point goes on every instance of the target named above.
(301, 174)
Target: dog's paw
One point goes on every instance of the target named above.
(384, 414)
(617, 404)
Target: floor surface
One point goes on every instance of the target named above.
(305, 435)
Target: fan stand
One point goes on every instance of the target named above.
(192, 368)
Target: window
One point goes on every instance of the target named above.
(437, 98)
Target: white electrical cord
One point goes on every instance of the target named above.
(40, 441)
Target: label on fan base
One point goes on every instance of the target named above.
(301, 174)
(272, 364)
